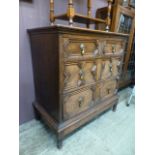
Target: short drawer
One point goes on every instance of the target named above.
(107, 89)
(80, 48)
(113, 47)
(77, 102)
(78, 74)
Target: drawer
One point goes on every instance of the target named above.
(107, 89)
(110, 68)
(113, 46)
(80, 47)
(78, 74)
(77, 102)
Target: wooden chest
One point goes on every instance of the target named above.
(76, 72)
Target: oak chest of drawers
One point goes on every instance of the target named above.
(76, 72)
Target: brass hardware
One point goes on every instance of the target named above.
(117, 78)
(82, 49)
(79, 83)
(80, 65)
(81, 77)
(118, 69)
(80, 101)
(113, 49)
(93, 70)
(103, 66)
(96, 52)
(81, 74)
(115, 91)
(110, 67)
(66, 77)
(103, 49)
(119, 63)
(108, 91)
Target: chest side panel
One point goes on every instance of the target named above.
(45, 58)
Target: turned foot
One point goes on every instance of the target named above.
(59, 144)
(114, 107)
(59, 140)
(127, 104)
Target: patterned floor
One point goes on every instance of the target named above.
(110, 134)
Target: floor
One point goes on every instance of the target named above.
(110, 134)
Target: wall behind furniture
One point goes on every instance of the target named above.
(36, 14)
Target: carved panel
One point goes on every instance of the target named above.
(116, 67)
(106, 69)
(79, 74)
(114, 47)
(107, 89)
(79, 48)
(70, 75)
(76, 103)
(102, 47)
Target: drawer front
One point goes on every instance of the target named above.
(77, 74)
(107, 89)
(80, 48)
(110, 68)
(113, 47)
(77, 102)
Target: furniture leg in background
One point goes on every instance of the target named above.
(131, 96)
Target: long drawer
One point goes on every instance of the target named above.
(78, 74)
(82, 73)
(78, 48)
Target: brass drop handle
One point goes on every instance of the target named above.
(96, 52)
(103, 66)
(80, 101)
(93, 70)
(108, 91)
(118, 77)
(79, 83)
(119, 65)
(113, 49)
(82, 49)
(110, 67)
(103, 49)
(115, 91)
(81, 74)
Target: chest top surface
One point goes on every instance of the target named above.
(68, 29)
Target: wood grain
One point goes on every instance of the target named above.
(73, 87)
